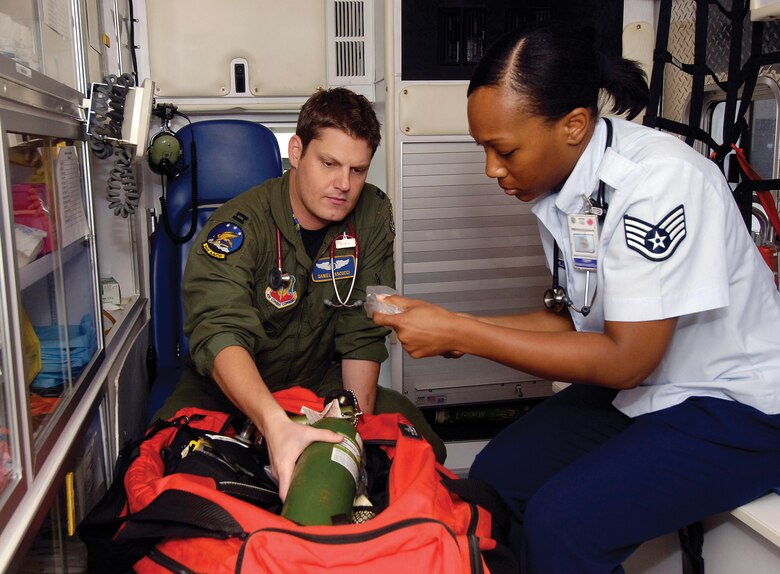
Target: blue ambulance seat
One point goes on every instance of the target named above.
(232, 156)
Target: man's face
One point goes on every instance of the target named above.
(326, 180)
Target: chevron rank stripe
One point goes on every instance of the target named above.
(659, 241)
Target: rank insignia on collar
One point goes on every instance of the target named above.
(656, 242)
(224, 239)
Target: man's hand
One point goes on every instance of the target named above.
(237, 375)
(286, 440)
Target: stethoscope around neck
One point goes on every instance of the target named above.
(278, 278)
(556, 298)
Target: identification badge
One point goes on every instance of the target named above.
(345, 242)
(343, 268)
(584, 240)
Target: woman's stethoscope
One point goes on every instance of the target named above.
(278, 278)
(556, 298)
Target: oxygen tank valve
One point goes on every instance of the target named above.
(247, 432)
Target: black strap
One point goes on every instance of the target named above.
(659, 63)
(738, 85)
(499, 560)
(691, 543)
(175, 237)
(99, 527)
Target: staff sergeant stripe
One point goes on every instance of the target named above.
(656, 242)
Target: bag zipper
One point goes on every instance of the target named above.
(167, 562)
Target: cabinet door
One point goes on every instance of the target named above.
(39, 36)
(53, 261)
(56, 546)
(10, 460)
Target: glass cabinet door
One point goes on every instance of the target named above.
(55, 265)
(10, 462)
(38, 35)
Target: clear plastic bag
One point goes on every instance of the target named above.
(375, 295)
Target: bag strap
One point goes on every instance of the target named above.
(500, 559)
(691, 543)
(764, 196)
(179, 514)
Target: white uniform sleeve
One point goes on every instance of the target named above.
(667, 254)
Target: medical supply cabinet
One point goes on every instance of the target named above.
(57, 416)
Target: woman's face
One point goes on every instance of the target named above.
(528, 155)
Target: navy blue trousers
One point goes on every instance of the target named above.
(586, 485)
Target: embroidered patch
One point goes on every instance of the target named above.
(282, 297)
(224, 239)
(656, 242)
(344, 266)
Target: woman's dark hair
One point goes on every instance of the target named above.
(342, 109)
(557, 69)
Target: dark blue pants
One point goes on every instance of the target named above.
(586, 485)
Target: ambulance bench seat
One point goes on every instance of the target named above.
(232, 156)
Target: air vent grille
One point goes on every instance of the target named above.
(517, 17)
(449, 36)
(474, 33)
(350, 19)
(350, 40)
(350, 58)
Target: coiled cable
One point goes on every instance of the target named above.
(122, 191)
(100, 128)
(107, 113)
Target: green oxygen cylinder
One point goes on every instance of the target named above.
(325, 477)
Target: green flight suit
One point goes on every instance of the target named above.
(294, 337)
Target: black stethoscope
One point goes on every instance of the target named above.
(278, 278)
(556, 298)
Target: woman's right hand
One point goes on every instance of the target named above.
(424, 329)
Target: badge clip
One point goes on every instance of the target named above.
(345, 242)
(592, 209)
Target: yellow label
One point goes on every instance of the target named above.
(70, 501)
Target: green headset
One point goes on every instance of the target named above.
(164, 154)
(166, 158)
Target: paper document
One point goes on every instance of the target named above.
(72, 217)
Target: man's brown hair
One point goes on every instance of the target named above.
(342, 109)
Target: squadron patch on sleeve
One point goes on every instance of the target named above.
(224, 239)
(656, 241)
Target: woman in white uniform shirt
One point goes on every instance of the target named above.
(673, 349)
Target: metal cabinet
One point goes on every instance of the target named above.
(51, 276)
(51, 337)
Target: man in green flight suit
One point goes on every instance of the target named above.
(263, 310)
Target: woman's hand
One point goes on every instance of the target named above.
(424, 329)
